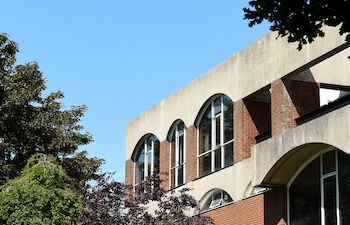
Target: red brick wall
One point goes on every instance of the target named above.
(129, 172)
(265, 209)
(191, 153)
(244, 131)
(290, 100)
(164, 163)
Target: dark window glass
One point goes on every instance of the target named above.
(330, 202)
(218, 159)
(328, 160)
(228, 119)
(181, 149)
(140, 167)
(217, 106)
(228, 148)
(149, 163)
(344, 186)
(305, 203)
(156, 153)
(207, 164)
(180, 175)
(218, 130)
(205, 129)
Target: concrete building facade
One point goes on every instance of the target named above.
(263, 138)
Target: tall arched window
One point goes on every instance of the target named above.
(216, 136)
(147, 158)
(320, 193)
(178, 155)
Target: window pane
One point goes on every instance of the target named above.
(156, 155)
(139, 167)
(217, 106)
(344, 186)
(218, 130)
(328, 162)
(207, 164)
(228, 148)
(180, 175)
(172, 178)
(228, 119)
(149, 163)
(205, 132)
(217, 159)
(181, 149)
(330, 202)
(305, 202)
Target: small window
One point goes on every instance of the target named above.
(217, 199)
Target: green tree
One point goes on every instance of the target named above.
(40, 196)
(31, 123)
(301, 20)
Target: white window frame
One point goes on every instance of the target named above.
(322, 177)
(215, 147)
(176, 167)
(145, 166)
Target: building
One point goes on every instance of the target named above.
(263, 138)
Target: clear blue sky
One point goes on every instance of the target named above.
(122, 57)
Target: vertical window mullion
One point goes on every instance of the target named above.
(176, 155)
(152, 156)
(213, 136)
(145, 169)
(323, 213)
(337, 189)
(222, 133)
(184, 156)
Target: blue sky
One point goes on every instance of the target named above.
(122, 57)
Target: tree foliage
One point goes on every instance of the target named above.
(110, 203)
(31, 123)
(40, 196)
(301, 20)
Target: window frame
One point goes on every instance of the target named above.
(175, 169)
(144, 147)
(214, 147)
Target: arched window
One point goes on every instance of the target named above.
(147, 158)
(216, 136)
(320, 193)
(178, 155)
(216, 199)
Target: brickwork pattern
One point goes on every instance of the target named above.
(290, 100)
(191, 153)
(164, 163)
(265, 209)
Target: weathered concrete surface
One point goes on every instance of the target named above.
(261, 63)
(234, 180)
(285, 153)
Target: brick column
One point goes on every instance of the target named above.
(290, 100)
(244, 131)
(164, 163)
(191, 153)
(129, 175)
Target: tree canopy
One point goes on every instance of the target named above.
(110, 202)
(300, 20)
(40, 196)
(31, 123)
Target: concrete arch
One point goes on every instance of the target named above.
(173, 127)
(283, 171)
(332, 129)
(138, 145)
